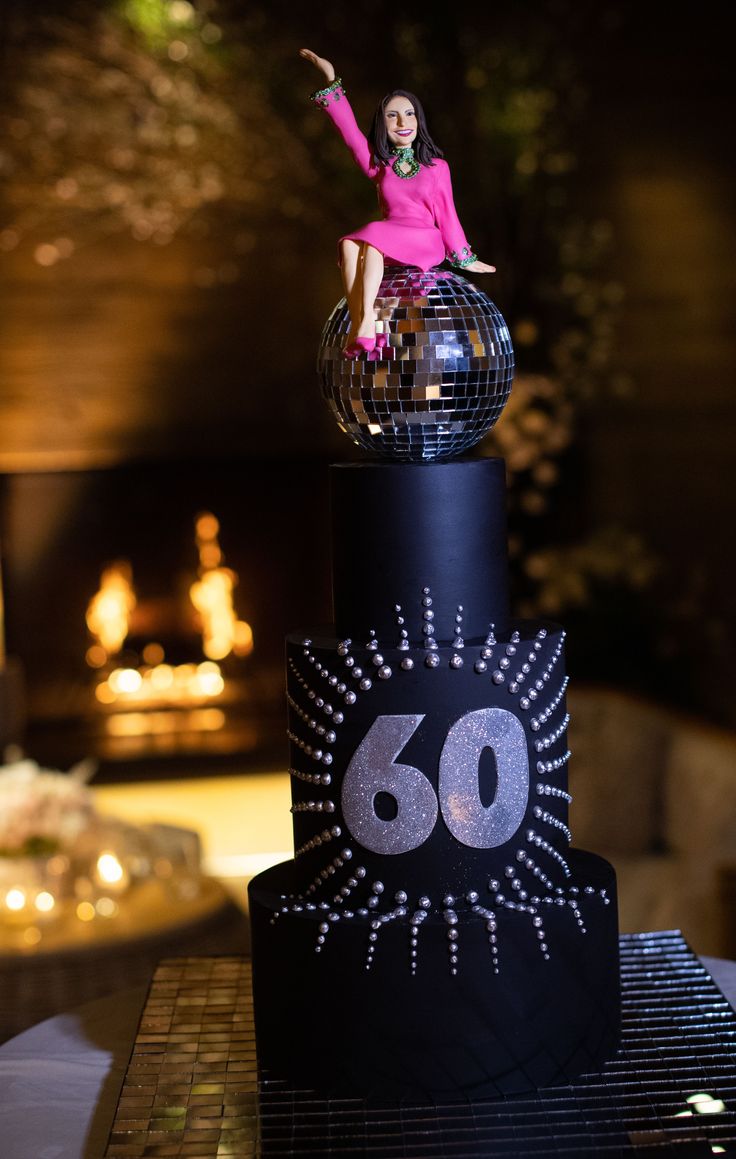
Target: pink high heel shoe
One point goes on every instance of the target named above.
(359, 346)
(381, 340)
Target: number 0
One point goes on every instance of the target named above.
(467, 818)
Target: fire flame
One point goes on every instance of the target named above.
(212, 596)
(155, 682)
(108, 612)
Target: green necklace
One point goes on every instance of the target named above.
(405, 156)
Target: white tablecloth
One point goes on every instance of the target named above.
(60, 1080)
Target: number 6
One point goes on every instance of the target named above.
(372, 771)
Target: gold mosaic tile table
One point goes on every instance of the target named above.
(192, 1086)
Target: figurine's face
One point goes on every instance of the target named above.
(401, 121)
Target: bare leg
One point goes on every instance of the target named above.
(351, 261)
(371, 280)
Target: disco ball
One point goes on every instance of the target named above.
(441, 382)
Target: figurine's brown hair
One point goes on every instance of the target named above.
(425, 149)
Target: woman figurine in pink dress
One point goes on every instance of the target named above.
(419, 225)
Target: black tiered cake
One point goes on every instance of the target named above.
(434, 935)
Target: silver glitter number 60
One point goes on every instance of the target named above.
(372, 771)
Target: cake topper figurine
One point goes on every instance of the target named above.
(419, 225)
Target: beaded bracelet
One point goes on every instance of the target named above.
(466, 258)
(322, 96)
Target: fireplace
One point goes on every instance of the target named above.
(146, 607)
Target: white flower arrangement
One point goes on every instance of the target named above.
(43, 811)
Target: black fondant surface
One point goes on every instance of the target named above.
(325, 1021)
(401, 527)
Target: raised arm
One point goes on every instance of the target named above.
(333, 100)
(457, 249)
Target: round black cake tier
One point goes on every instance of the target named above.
(428, 537)
(441, 382)
(402, 1002)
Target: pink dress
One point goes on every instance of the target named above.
(419, 225)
